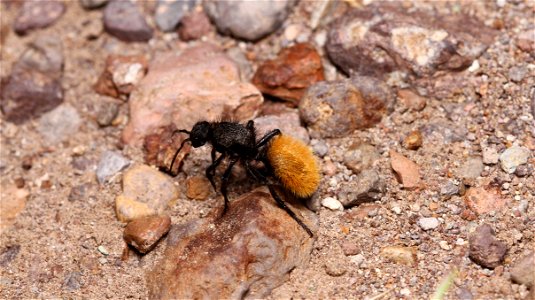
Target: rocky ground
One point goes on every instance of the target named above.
(421, 114)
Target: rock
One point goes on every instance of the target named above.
(121, 74)
(79, 192)
(92, 4)
(145, 232)
(490, 156)
(360, 157)
(8, 255)
(289, 123)
(449, 189)
(12, 202)
(169, 13)
(290, 73)
(198, 187)
(471, 168)
(525, 40)
(59, 124)
(28, 94)
(335, 266)
(524, 170)
(110, 163)
(92, 28)
(350, 248)
(517, 73)
(200, 83)
(485, 249)
(245, 66)
(448, 131)
(160, 148)
(367, 187)
(332, 204)
(73, 281)
(411, 100)
(428, 223)
(146, 192)
(107, 111)
(413, 141)
(249, 20)
(194, 25)
(382, 38)
(522, 271)
(123, 20)
(336, 109)
(37, 14)
(247, 252)
(399, 254)
(512, 157)
(407, 172)
(481, 200)
(44, 54)
(319, 147)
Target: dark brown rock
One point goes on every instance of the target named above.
(37, 14)
(485, 249)
(123, 20)
(291, 73)
(336, 109)
(144, 233)
(160, 148)
(246, 253)
(194, 25)
(121, 74)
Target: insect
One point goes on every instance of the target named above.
(289, 161)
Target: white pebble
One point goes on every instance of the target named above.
(444, 245)
(428, 223)
(332, 204)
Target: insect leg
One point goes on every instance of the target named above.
(224, 181)
(282, 205)
(210, 171)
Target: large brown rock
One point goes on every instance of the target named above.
(485, 249)
(200, 83)
(246, 253)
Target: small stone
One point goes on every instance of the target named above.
(335, 267)
(194, 26)
(402, 255)
(485, 249)
(27, 162)
(368, 186)
(319, 147)
(107, 112)
(121, 74)
(481, 200)
(92, 28)
(358, 259)
(471, 168)
(92, 4)
(511, 158)
(170, 12)
(8, 254)
(523, 272)
(332, 204)
(249, 20)
(517, 73)
(110, 163)
(79, 192)
(240, 59)
(59, 124)
(428, 223)
(19, 182)
(12, 202)
(408, 172)
(524, 170)
(145, 232)
(444, 245)
(123, 20)
(103, 250)
(289, 123)
(146, 192)
(198, 187)
(160, 148)
(490, 156)
(290, 73)
(360, 157)
(411, 100)
(73, 281)
(413, 141)
(350, 248)
(37, 14)
(44, 54)
(449, 189)
(525, 40)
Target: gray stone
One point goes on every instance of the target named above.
(361, 157)
(449, 189)
(110, 163)
(37, 14)
(368, 186)
(319, 147)
(169, 13)
(490, 156)
(447, 130)
(517, 73)
(428, 223)
(106, 112)
(44, 54)
(513, 157)
(123, 20)
(73, 281)
(471, 168)
(246, 69)
(59, 124)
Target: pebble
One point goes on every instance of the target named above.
(110, 163)
(449, 189)
(399, 254)
(525, 40)
(121, 74)
(59, 124)
(523, 272)
(12, 202)
(332, 204)
(198, 187)
(37, 14)
(368, 186)
(169, 13)
(123, 20)
(471, 168)
(408, 172)
(239, 58)
(337, 108)
(490, 156)
(319, 147)
(517, 73)
(249, 20)
(194, 26)
(8, 254)
(44, 54)
(103, 250)
(349, 248)
(289, 123)
(428, 223)
(92, 4)
(146, 192)
(444, 245)
(79, 192)
(513, 157)
(288, 75)
(360, 157)
(334, 266)
(357, 259)
(160, 148)
(481, 200)
(107, 111)
(411, 100)
(485, 249)
(145, 232)
(73, 281)
(413, 140)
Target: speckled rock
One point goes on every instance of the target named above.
(121, 74)
(290, 73)
(59, 124)
(200, 83)
(169, 12)
(512, 157)
(367, 187)
(123, 20)
(481, 200)
(360, 157)
(332, 203)
(37, 14)
(485, 249)
(110, 163)
(289, 123)
(246, 253)
(145, 232)
(12, 202)
(523, 272)
(413, 41)
(194, 25)
(408, 172)
(146, 192)
(336, 109)
(249, 20)
(490, 156)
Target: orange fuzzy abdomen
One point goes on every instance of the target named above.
(294, 165)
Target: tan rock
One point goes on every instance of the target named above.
(198, 187)
(408, 172)
(145, 232)
(12, 202)
(398, 254)
(414, 140)
(481, 200)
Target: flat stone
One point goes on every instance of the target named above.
(170, 12)
(448, 131)
(145, 232)
(490, 156)
(481, 200)
(45, 54)
(247, 252)
(110, 163)
(485, 249)
(121, 74)
(408, 172)
(107, 111)
(360, 157)
(332, 204)
(411, 100)
(12, 202)
(399, 254)
(523, 272)
(367, 187)
(59, 124)
(123, 20)
(449, 189)
(37, 14)
(512, 157)
(525, 40)
(289, 123)
(146, 192)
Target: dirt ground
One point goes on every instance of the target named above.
(55, 242)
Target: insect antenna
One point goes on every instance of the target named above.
(180, 148)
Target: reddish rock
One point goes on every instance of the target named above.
(160, 148)
(201, 83)
(12, 202)
(246, 253)
(123, 20)
(144, 233)
(481, 200)
(408, 172)
(194, 25)
(198, 187)
(413, 140)
(411, 100)
(121, 74)
(525, 40)
(485, 249)
(37, 14)
(336, 109)
(291, 73)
